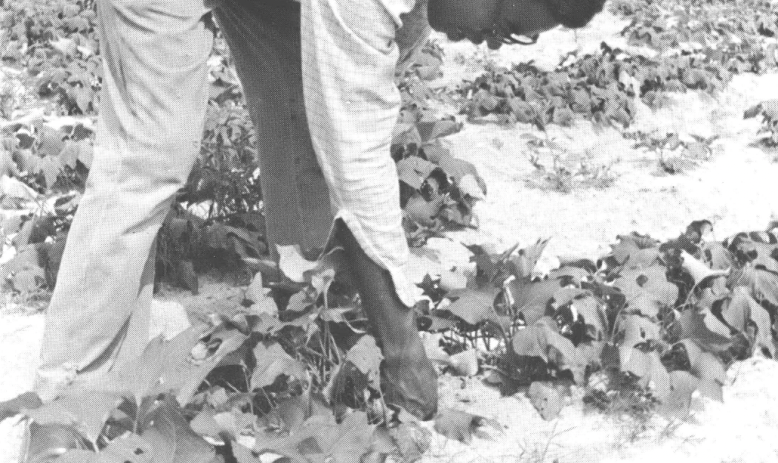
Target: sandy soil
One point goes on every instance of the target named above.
(736, 189)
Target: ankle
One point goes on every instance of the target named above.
(406, 347)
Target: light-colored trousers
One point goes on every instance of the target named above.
(150, 125)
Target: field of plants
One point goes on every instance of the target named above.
(594, 231)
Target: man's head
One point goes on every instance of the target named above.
(498, 20)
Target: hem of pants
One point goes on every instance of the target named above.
(402, 286)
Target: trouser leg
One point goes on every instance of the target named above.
(350, 52)
(264, 39)
(149, 130)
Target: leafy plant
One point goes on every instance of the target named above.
(675, 155)
(601, 87)
(279, 377)
(659, 320)
(568, 170)
(729, 33)
(769, 112)
(56, 41)
(437, 190)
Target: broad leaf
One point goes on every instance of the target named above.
(366, 356)
(531, 298)
(716, 256)
(544, 341)
(475, 306)
(85, 411)
(523, 264)
(741, 310)
(635, 250)
(348, 441)
(459, 425)
(293, 264)
(636, 329)
(594, 317)
(705, 329)
(171, 438)
(273, 361)
(762, 283)
(677, 402)
(465, 363)
(648, 367)
(126, 449)
(648, 285)
(144, 376)
(546, 399)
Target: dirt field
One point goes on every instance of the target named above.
(737, 190)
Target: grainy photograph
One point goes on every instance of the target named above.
(388, 231)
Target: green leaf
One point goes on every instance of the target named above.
(349, 441)
(78, 456)
(711, 389)
(50, 167)
(438, 129)
(140, 377)
(29, 280)
(634, 249)
(544, 341)
(523, 264)
(647, 288)
(171, 438)
(185, 375)
(459, 425)
(458, 168)
(716, 256)
(474, 306)
(272, 362)
(86, 411)
(532, 297)
(406, 134)
(594, 316)
(366, 356)
(763, 284)
(648, 367)
(413, 170)
(83, 97)
(677, 402)
(51, 142)
(546, 399)
(565, 117)
(422, 211)
(741, 310)
(126, 449)
(636, 329)
(705, 329)
(412, 440)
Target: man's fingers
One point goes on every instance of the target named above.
(455, 36)
(476, 37)
(493, 43)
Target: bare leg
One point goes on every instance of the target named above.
(410, 378)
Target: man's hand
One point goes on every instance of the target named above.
(498, 21)
(464, 19)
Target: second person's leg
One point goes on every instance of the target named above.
(349, 54)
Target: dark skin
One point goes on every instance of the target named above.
(410, 380)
